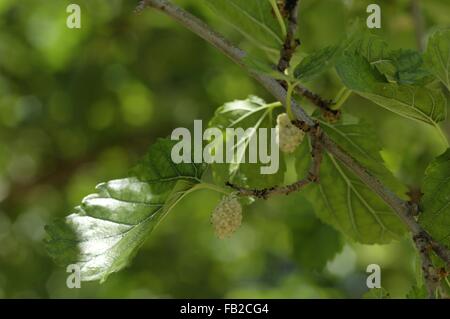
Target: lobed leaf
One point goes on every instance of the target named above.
(314, 243)
(372, 47)
(317, 63)
(374, 50)
(341, 199)
(402, 66)
(436, 200)
(250, 113)
(103, 234)
(413, 102)
(410, 67)
(437, 56)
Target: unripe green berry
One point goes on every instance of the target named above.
(288, 135)
(227, 217)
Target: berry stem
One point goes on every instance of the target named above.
(341, 98)
(290, 90)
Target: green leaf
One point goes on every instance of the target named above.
(157, 166)
(417, 292)
(409, 66)
(437, 56)
(317, 63)
(370, 46)
(377, 293)
(250, 113)
(357, 73)
(402, 66)
(103, 234)
(341, 199)
(253, 18)
(413, 102)
(374, 50)
(436, 200)
(314, 243)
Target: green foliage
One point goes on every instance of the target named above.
(263, 66)
(356, 73)
(437, 56)
(377, 293)
(254, 19)
(409, 67)
(436, 202)
(105, 231)
(314, 242)
(252, 113)
(417, 292)
(372, 47)
(317, 62)
(413, 102)
(416, 103)
(58, 137)
(341, 199)
(403, 66)
(157, 167)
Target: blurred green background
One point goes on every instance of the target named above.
(78, 107)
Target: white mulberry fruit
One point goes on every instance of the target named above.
(227, 217)
(288, 135)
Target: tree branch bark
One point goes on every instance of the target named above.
(312, 176)
(323, 105)
(429, 272)
(290, 43)
(400, 207)
(291, 9)
(237, 55)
